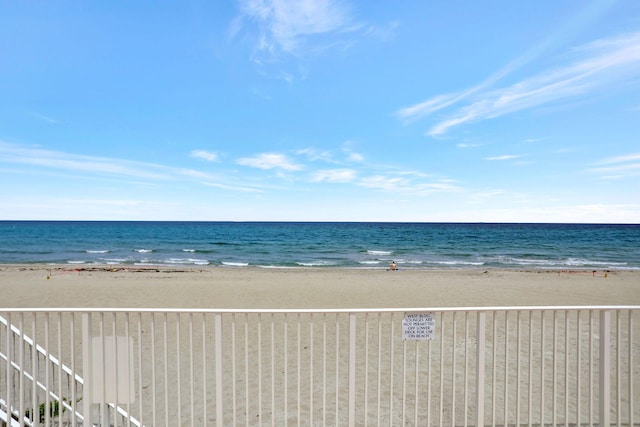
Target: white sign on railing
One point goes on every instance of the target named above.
(418, 326)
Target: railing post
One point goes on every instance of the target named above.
(352, 369)
(480, 369)
(87, 367)
(8, 371)
(218, 350)
(605, 368)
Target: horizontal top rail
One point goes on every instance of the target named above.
(312, 310)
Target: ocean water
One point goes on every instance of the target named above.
(318, 245)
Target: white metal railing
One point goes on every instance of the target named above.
(162, 367)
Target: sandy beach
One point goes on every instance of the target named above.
(62, 286)
(164, 287)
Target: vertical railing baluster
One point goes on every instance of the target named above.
(494, 339)
(114, 339)
(233, 369)
(605, 368)
(140, 386)
(352, 369)
(285, 390)
(311, 370)
(337, 373)
(578, 368)
(618, 369)
(542, 364)
(153, 368)
(178, 367)
(191, 372)
(129, 362)
(480, 368)
(21, 372)
(219, 384)
(298, 371)
(591, 380)
(35, 407)
(506, 369)
(453, 369)
(530, 373)
(273, 373)
(631, 369)
(72, 341)
(404, 382)
(518, 364)
(466, 367)
(566, 367)
(416, 412)
(47, 399)
(166, 368)
(554, 376)
(87, 367)
(9, 377)
(391, 376)
(259, 362)
(441, 403)
(205, 420)
(324, 369)
(246, 368)
(379, 372)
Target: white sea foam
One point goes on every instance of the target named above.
(143, 251)
(370, 252)
(276, 266)
(97, 251)
(75, 262)
(235, 264)
(369, 262)
(315, 263)
(114, 260)
(458, 262)
(196, 261)
(188, 250)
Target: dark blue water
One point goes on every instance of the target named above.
(336, 245)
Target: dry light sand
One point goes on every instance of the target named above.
(35, 286)
(216, 287)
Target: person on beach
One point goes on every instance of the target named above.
(392, 266)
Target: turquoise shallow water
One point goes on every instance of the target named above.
(336, 245)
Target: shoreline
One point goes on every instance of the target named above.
(58, 286)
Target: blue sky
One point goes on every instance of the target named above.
(506, 111)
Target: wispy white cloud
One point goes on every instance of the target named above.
(401, 184)
(618, 167)
(49, 159)
(205, 155)
(602, 63)
(314, 154)
(270, 161)
(621, 159)
(91, 166)
(334, 175)
(504, 157)
(286, 24)
(232, 187)
(468, 145)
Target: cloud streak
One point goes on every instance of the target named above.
(602, 63)
(205, 155)
(284, 25)
(619, 166)
(43, 158)
(270, 161)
